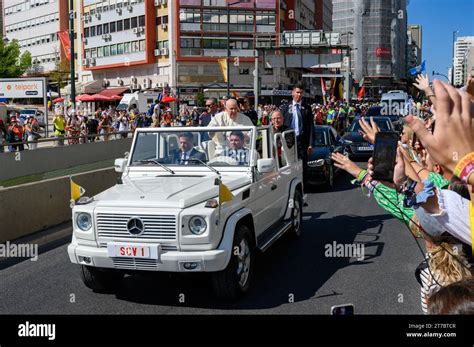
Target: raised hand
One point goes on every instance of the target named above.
(342, 162)
(423, 84)
(368, 131)
(453, 136)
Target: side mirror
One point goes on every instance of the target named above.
(120, 164)
(265, 165)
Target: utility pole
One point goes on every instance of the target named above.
(71, 38)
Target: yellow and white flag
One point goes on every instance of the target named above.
(224, 194)
(223, 66)
(76, 190)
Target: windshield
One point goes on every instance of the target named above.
(28, 112)
(193, 148)
(383, 124)
(320, 138)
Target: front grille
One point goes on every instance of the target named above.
(157, 227)
(135, 264)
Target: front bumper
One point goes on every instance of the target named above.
(317, 175)
(169, 261)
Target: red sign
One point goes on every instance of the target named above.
(66, 43)
(336, 51)
(383, 52)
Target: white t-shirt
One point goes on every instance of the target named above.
(454, 215)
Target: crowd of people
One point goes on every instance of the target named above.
(432, 192)
(432, 186)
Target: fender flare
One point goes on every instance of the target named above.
(229, 230)
(293, 185)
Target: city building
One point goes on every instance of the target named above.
(323, 15)
(1, 19)
(468, 63)
(126, 44)
(204, 28)
(377, 34)
(414, 46)
(461, 48)
(35, 24)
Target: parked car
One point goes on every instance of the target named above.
(321, 170)
(204, 215)
(359, 148)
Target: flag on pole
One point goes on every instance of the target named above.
(418, 69)
(323, 88)
(361, 94)
(361, 83)
(223, 66)
(66, 43)
(224, 194)
(76, 191)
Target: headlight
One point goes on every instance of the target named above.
(316, 163)
(197, 225)
(84, 221)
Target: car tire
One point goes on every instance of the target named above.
(330, 182)
(234, 281)
(297, 215)
(100, 280)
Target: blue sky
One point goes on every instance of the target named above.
(439, 18)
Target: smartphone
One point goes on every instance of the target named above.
(343, 310)
(385, 154)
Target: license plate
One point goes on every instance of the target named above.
(127, 250)
(365, 148)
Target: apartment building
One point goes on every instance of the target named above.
(35, 24)
(126, 43)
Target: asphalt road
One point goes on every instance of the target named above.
(293, 277)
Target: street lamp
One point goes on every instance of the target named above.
(452, 70)
(440, 74)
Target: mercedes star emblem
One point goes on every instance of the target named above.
(135, 226)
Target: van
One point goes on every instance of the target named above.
(140, 101)
(394, 103)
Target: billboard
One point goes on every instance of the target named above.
(22, 88)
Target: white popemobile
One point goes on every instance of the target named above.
(184, 203)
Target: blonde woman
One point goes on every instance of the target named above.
(446, 263)
(406, 141)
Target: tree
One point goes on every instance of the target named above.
(12, 63)
(199, 99)
(61, 74)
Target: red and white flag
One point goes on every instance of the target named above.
(66, 43)
(323, 88)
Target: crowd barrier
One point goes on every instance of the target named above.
(32, 207)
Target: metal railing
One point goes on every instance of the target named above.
(64, 140)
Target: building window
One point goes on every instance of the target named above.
(106, 28)
(141, 21)
(142, 46)
(126, 24)
(126, 47)
(106, 51)
(134, 22)
(113, 49)
(119, 25)
(113, 27)
(99, 30)
(120, 48)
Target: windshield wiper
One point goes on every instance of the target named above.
(154, 161)
(205, 164)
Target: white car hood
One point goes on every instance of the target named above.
(165, 191)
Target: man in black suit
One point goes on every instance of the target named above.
(187, 151)
(298, 116)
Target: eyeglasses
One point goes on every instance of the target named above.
(209, 105)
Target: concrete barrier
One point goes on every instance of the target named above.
(41, 160)
(28, 208)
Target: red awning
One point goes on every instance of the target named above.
(100, 97)
(113, 92)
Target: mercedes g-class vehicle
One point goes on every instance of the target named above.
(193, 199)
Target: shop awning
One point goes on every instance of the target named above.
(113, 92)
